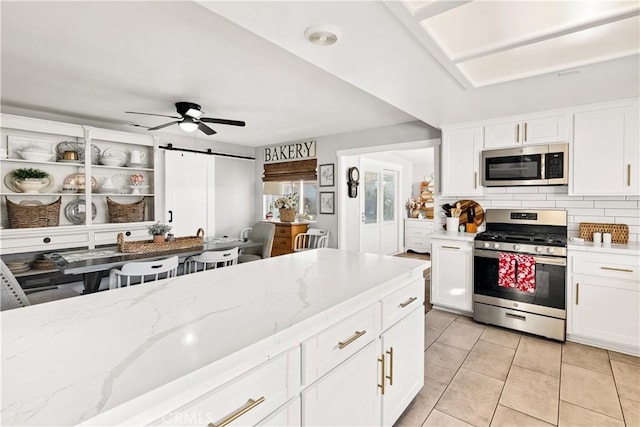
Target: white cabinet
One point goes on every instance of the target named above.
(533, 130)
(461, 148)
(289, 415)
(248, 399)
(603, 301)
(84, 210)
(452, 274)
(605, 156)
(348, 395)
(404, 364)
(416, 234)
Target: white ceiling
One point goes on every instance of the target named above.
(96, 60)
(249, 60)
(489, 42)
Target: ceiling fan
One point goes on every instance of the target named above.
(191, 119)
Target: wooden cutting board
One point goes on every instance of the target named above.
(477, 209)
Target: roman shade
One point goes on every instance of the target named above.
(300, 170)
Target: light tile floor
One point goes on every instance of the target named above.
(479, 375)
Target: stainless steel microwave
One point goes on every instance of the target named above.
(526, 165)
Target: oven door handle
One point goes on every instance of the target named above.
(482, 253)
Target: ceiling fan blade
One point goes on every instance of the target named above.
(152, 114)
(206, 129)
(164, 125)
(223, 121)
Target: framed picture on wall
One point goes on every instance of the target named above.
(326, 175)
(327, 202)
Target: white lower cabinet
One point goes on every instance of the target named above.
(289, 415)
(404, 365)
(452, 274)
(348, 395)
(246, 399)
(604, 301)
(417, 234)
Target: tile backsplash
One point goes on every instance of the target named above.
(607, 209)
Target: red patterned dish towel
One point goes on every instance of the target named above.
(507, 270)
(526, 276)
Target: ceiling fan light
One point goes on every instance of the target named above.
(188, 125)
(192, 112)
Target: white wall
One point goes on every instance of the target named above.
(607, 209)
(235, 198)
(326, 148)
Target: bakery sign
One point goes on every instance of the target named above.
(287, 152)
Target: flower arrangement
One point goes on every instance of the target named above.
(414, 203)
(29, 173)
(158, 229)
(286, 201)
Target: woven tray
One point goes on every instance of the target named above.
(619, 232)
(30, 216)
(149, 246)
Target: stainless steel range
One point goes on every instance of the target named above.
(520, 271)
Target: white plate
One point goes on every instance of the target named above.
(79, 148)
(136, 165)
(76, 178)
(76, 210)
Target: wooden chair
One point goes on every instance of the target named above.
(12, 295)
(314, 238)
(210, 259)
(263, 232)
(140, 272)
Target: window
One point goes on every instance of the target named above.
(307, 197)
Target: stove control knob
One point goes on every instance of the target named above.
(516, 247)
(550, 250)
(487, 245)
(496, 245)
(539, 249)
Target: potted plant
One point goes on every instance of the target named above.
(414, 206)
(30, 180)
(158, 231)
(286, 204)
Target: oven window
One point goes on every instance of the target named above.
(514, 168)
(550, 284)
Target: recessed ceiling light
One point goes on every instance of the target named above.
(322, 35)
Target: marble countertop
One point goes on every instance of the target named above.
(67, 361)
(631, 248)
(444, 235)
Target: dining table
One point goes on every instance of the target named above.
(93, 263)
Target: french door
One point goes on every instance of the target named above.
(379, 209)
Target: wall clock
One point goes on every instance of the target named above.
(352, 184)
(354, 174)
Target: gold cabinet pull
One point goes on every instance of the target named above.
(475, 180)
(238, 412)
(518, 132)
(382, 370)
(629, 175)
(450, 247)
(624, 270)
(390, 376)
(577, 292)
(525, 132)
(352, 338)
(407, 302)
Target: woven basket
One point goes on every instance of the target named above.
(30, 216)
(287, 215)
(129, 212)
(150, 246)
(619, 232)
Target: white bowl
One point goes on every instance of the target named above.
(110, 161)
(38, 156)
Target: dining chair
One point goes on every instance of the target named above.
(244, 234)
(210, 259)
(13, 296)
(262, 232)
(144, 271)
(314, 238)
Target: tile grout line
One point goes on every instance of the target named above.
(615, 383)
(505, 382)
(560, 384)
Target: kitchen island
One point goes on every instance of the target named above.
(185, 350)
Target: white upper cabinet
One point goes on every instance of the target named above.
(461, 148)
(533, 130)
(605, 157)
